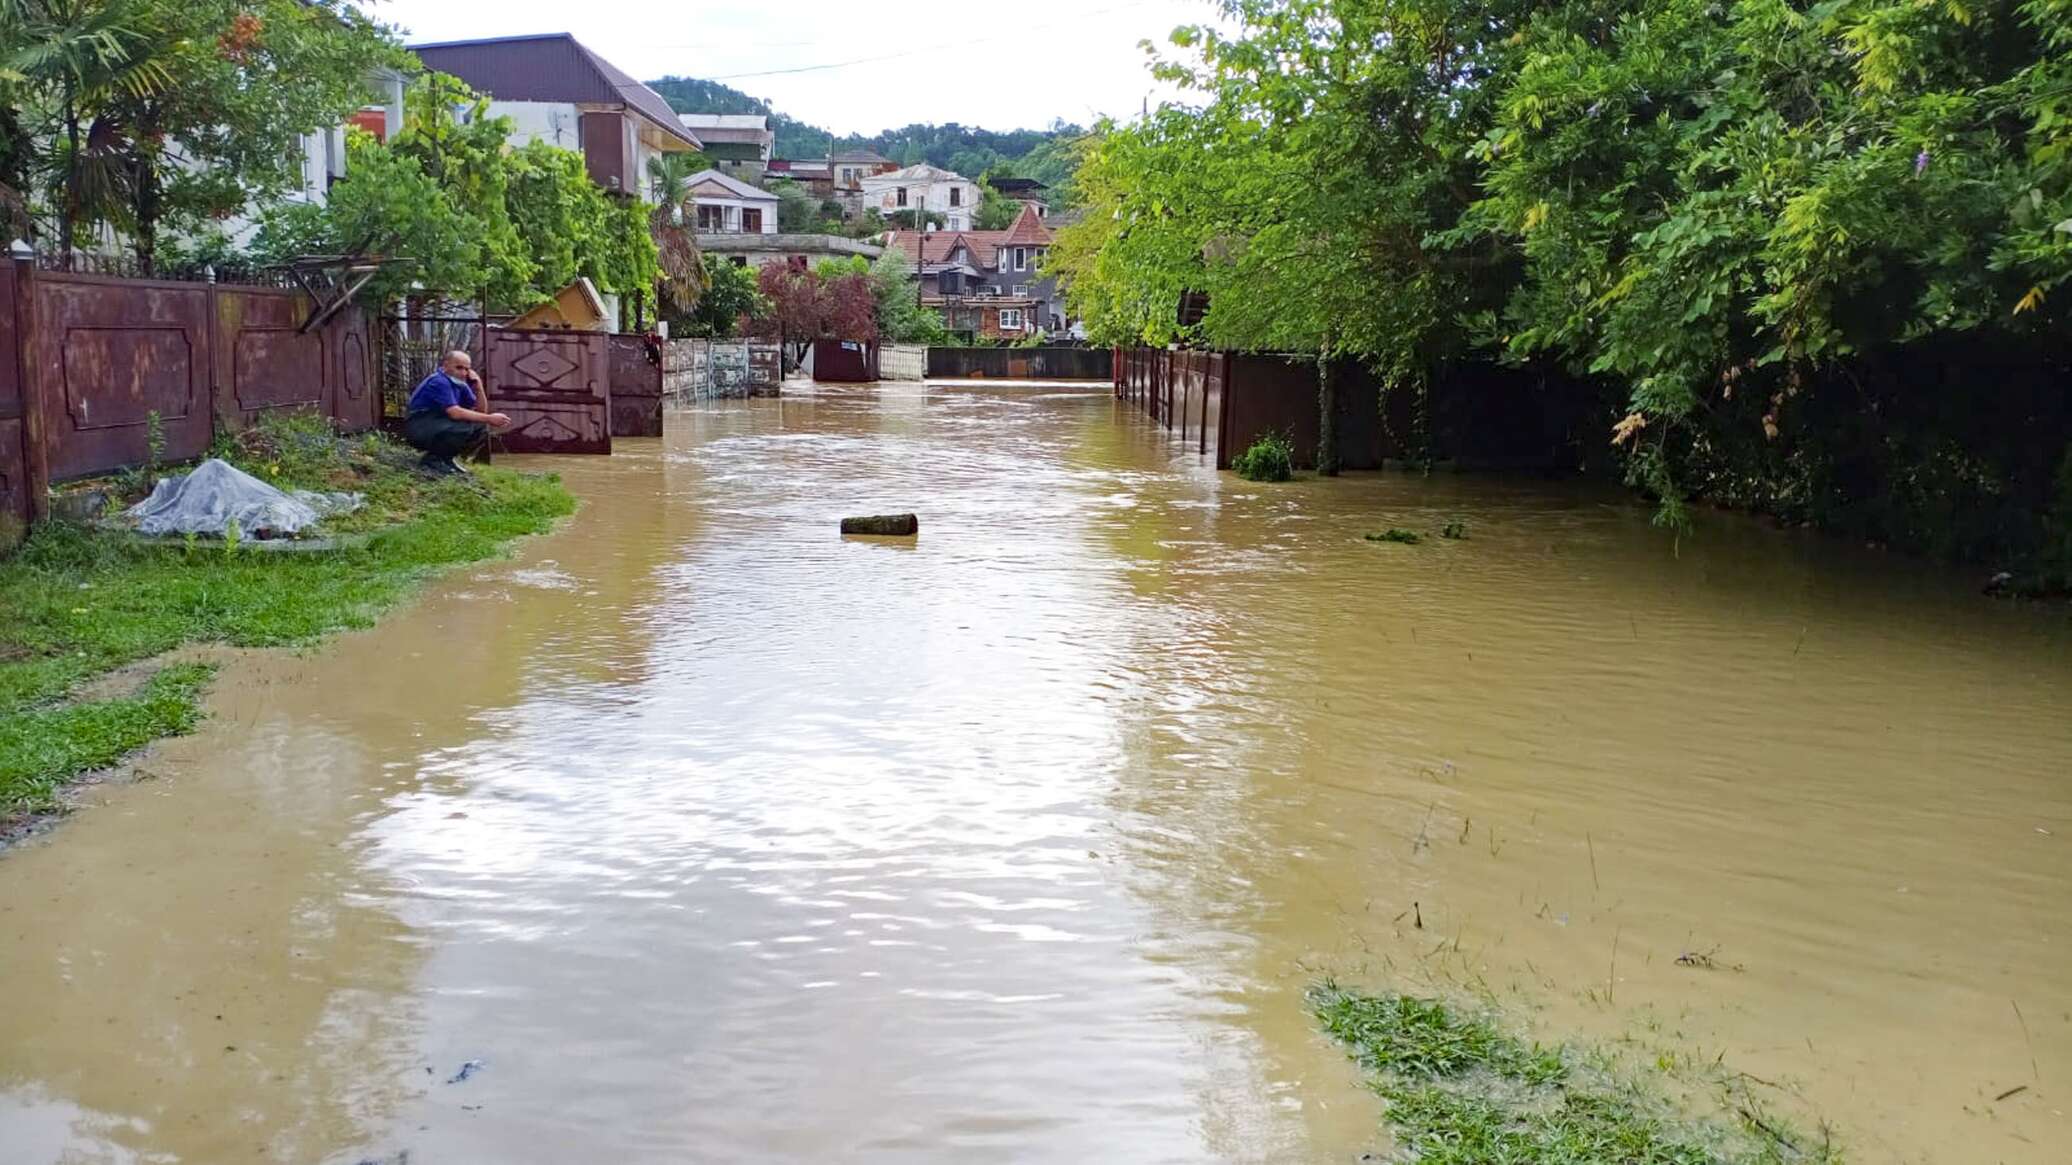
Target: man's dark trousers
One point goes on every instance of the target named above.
(441, 437)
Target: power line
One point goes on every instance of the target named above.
(1019, 34)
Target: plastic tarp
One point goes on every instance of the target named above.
(218, 493)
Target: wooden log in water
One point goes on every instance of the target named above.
(896, 525)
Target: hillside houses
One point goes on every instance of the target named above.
(924, 190)
(987, 283)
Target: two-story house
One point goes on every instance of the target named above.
(553, 89)
(923, 188)
(987, 283)
(727, 205)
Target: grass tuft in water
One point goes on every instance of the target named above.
(1462, 1092)
(1397, 534)
(1454, 529)
(78, 602)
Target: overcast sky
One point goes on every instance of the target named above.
(992, 65)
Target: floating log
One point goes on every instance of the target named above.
(896, 525)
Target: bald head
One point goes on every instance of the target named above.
(457, 363)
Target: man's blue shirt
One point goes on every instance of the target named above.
(440, 392)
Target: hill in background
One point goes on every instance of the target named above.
(1026, 153)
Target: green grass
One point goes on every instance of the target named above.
(1462, 1092)
(76, 603)
(1397, 534)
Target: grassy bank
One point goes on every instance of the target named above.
(77, 603)
(1460, 1091)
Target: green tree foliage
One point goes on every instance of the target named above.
(729, 297)
(996, 211)
(901, 318)
(160, 114)
(473, 215)
(1733, 215)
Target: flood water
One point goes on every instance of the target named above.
(713, 836)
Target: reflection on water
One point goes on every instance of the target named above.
(713, 835)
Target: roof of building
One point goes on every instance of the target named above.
(550, 67)
(919, 172)
(733, 186)
(1027, 228)
(752, 128)
(933, 247)
(860, 156)
(1015, 185)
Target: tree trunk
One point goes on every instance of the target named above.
(148, 206)
(1327, 423)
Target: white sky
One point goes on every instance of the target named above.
(998, 66)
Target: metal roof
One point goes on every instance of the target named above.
(550, 67)
(734, 186)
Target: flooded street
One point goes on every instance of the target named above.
(713, 836)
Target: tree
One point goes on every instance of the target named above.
(836, 300)
(1765, 230)
(797, 212)
(996, 211)
(164, 113)
(474, 216)
(901, 318)
(730, 297)
(65, 59)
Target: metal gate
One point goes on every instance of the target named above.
(20, 491)
(413, 341)
(636, 387)
(555, 388)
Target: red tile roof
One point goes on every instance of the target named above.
(1028, 229)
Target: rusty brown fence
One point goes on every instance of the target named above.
(1045, 363)
(97, 369)
(1476, 416)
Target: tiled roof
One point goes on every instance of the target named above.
(1027, 231)
(552, 67)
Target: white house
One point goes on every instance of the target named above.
(923, 187)
(727, 205)
(555, 90)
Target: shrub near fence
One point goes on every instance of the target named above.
(1058, 363)
(96, 370)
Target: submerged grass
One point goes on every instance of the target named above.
(77, 603)
(1462, 1092)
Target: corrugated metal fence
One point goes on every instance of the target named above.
(1094, 364)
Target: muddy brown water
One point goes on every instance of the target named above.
(714, 836)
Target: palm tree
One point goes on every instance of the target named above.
(74, 55)
(672, 223)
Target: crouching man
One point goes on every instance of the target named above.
(442, 419)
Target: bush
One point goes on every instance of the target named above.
(1271, 458)
(1397, 534)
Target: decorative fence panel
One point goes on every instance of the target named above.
(636, 386)
(21, 488)
(555, 386)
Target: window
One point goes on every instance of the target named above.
(993, 289)
(1021, 290)
(956, 196)
(1010, 319)
(900, 194)
(1021, 258)
(740, 260)
(752, 221)
(712, 218)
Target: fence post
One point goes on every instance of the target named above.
(35, 458)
